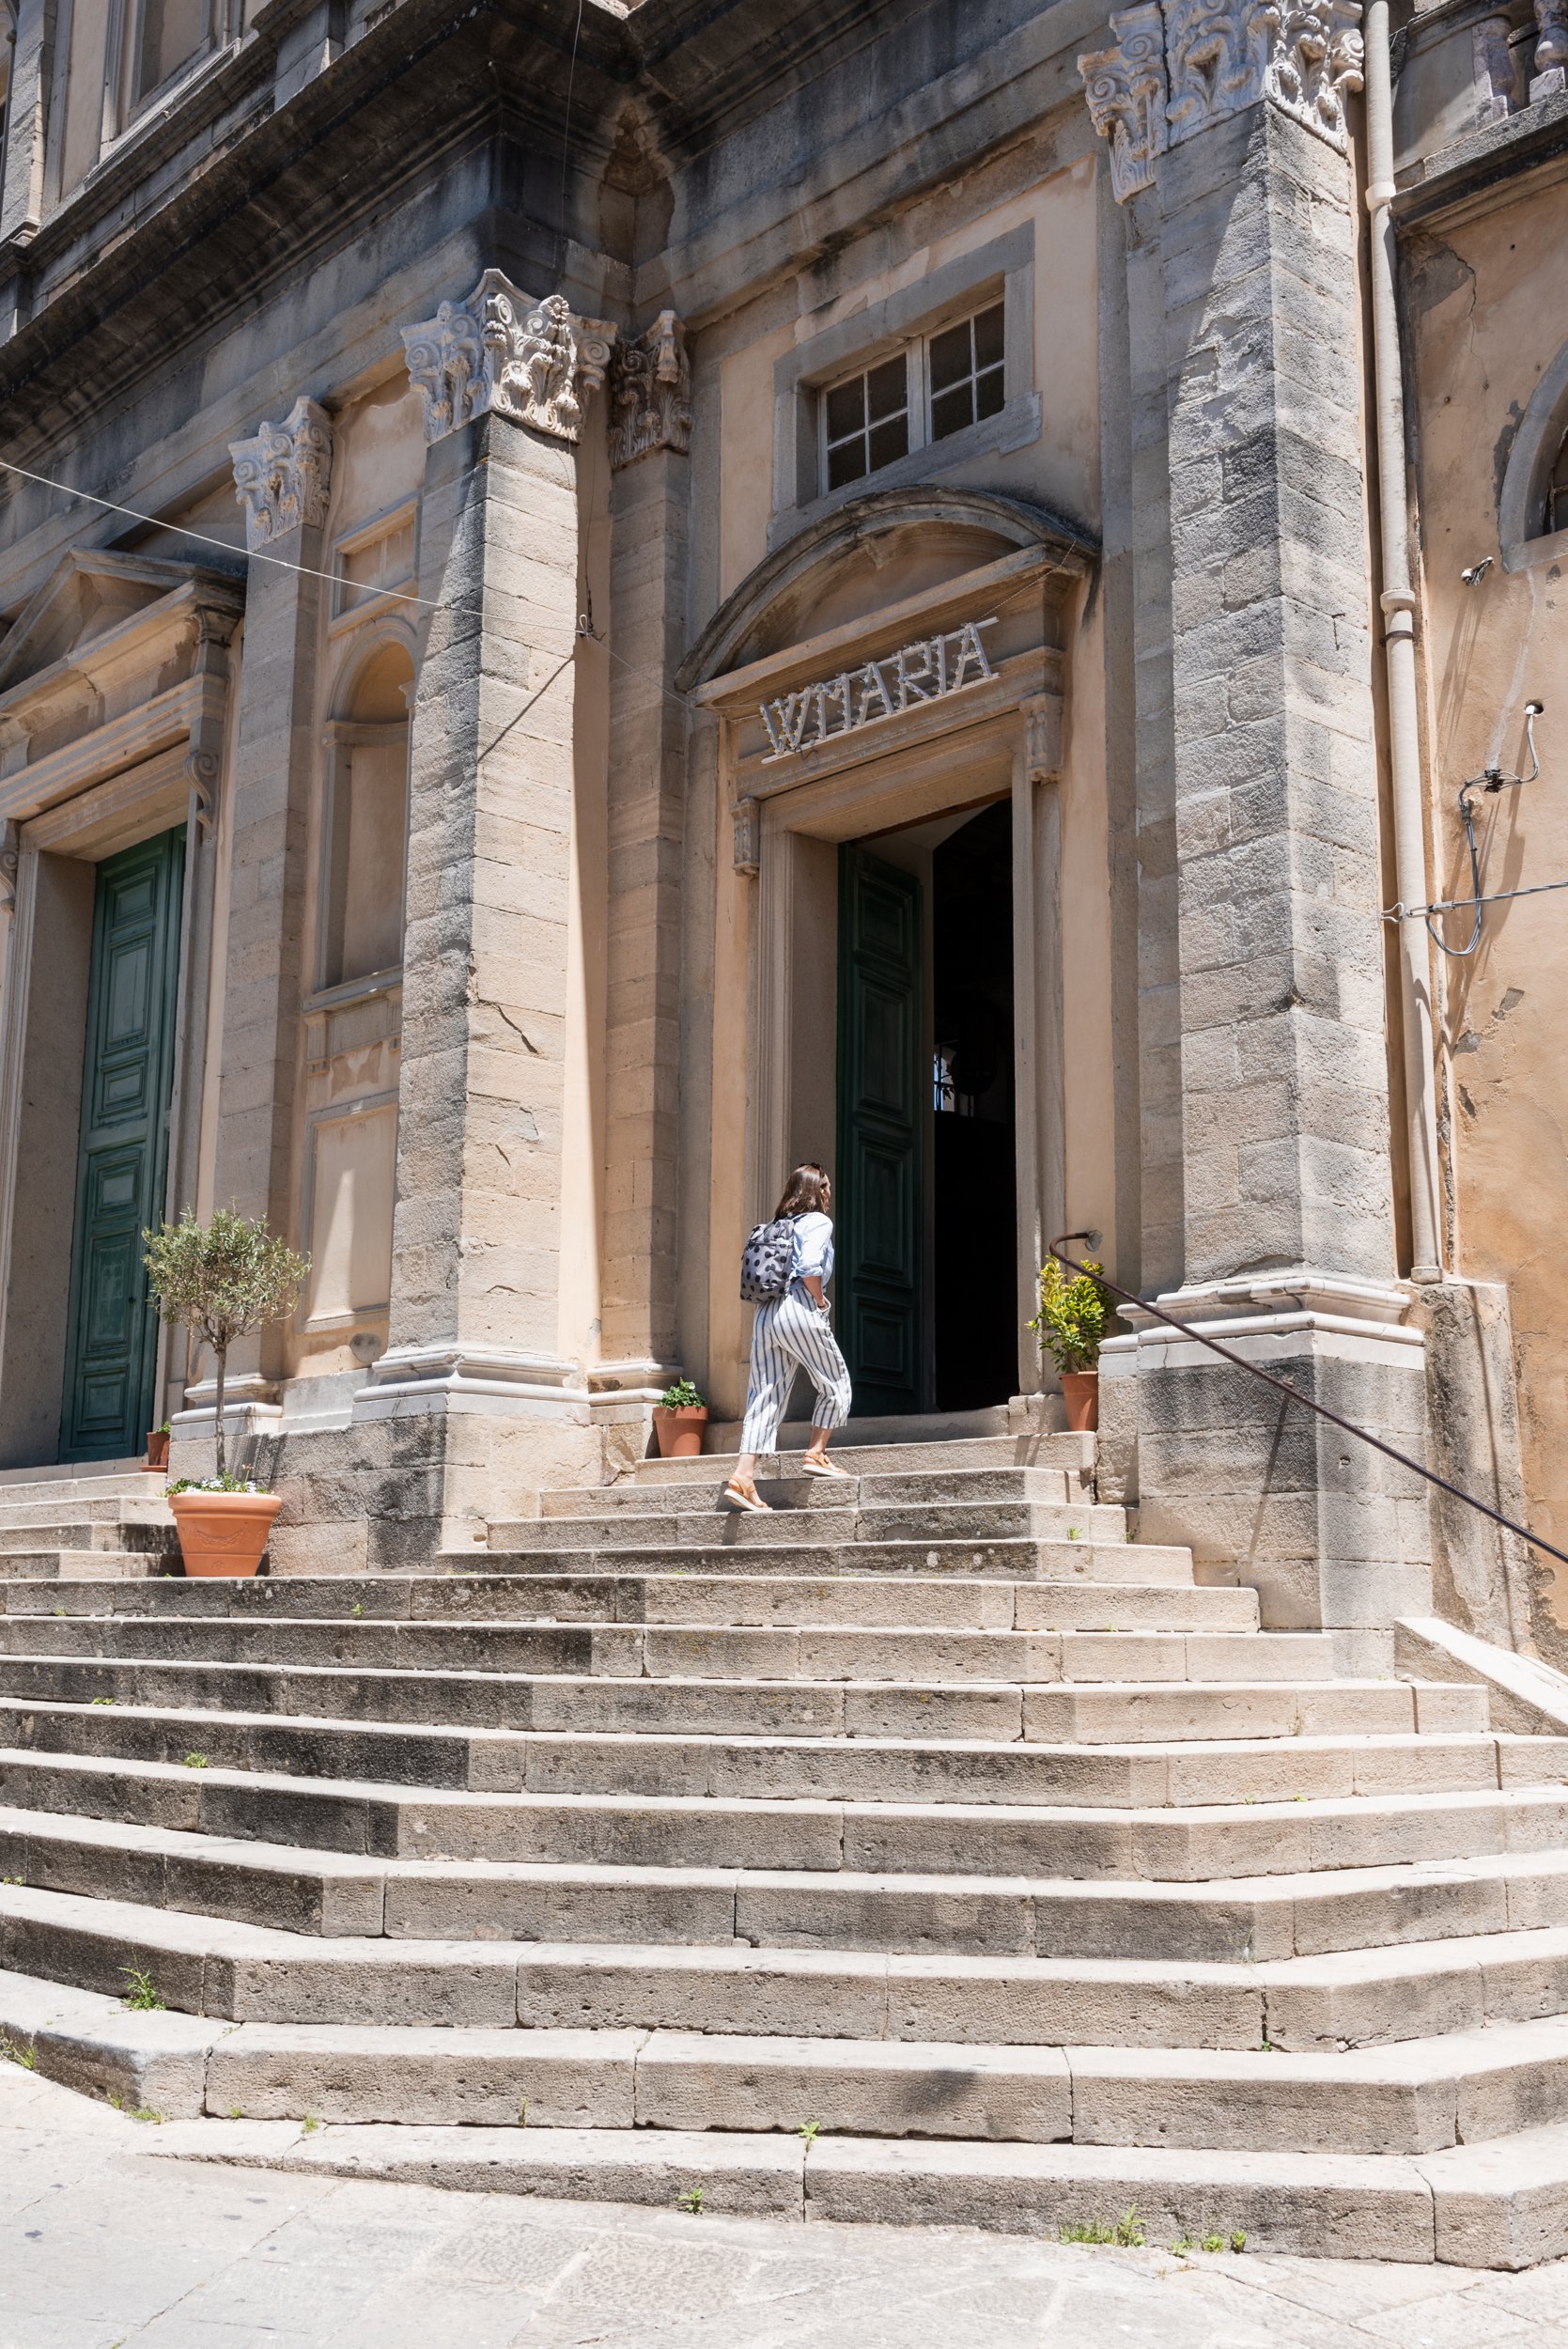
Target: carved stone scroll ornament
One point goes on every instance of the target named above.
(532, 362)
(1180, 65)
(1127, 93)
(651, 389)
(748, 835)
(282, 476)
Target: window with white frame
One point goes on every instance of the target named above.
(938, 384)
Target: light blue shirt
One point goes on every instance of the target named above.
(813, 1247)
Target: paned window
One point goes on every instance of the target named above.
(866, 421)
(937, 385)
(170, 33)
(966, 372)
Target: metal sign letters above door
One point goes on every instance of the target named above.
(923, 672)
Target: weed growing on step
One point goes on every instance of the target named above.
(1185, 2244)
(11, 2051)
(102, 1700)
(134, 2112)
(691, 2202)
(235, 2113)
(13, 1879)
(1125, 2233)
(358, 1606)
(141, 1996)
(807, 2133)
(310, 2124)
(195, 1761)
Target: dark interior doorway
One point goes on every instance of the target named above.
(974, 1168)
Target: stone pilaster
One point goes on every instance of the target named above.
(1271, 1206)
(650, 432)
(281, 480)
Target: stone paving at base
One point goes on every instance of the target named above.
(102, 2246)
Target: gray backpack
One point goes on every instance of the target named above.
(767, 1261)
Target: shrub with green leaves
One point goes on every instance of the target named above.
(681, 1395)
(222, 1280)
(1074, 1315)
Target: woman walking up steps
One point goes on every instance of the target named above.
(792, 1332)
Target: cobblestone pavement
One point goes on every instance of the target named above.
(101, 2246)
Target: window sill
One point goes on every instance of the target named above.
(1018, 424)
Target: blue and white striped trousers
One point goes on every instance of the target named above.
(789, 1334)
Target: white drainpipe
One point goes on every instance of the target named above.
(1399, 644)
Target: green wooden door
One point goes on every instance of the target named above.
(880, 1108)
(123, 1153)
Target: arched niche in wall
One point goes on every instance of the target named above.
(366, 814)
(1532, 510)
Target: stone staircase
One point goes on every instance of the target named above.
(103, 1517)
(925, 1851)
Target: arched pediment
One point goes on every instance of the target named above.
(873, 552)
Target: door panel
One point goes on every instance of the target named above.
(123, 1151)
(880, 1105)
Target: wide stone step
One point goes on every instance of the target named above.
(836, 1521)
(312, 1891)
(229, 1970)
(783, 1488)
(1187, 1845)
(138, 1527)
(1228, 1770)
(1055, 1713)
(772, 1652)
(1060, 1449)
(926, 1602)
(786, 1546)
(1415, 2098)
(69, 1566)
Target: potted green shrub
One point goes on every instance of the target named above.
(222, 1280)
(157, 1446)
(679, 1417)
(1070, 1324)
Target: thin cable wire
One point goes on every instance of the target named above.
(565, 128)
(1458, 954)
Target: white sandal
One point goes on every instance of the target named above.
(744, 1498)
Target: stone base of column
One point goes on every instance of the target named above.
(1330, 1534)
(251, 1412)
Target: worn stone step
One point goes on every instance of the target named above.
(1500, 2205)
(138, 1527)
(836, 1520)
(1072, 1452)
(1055, 1713)
(782, 1549)
(772, 1652)
(1229, 1770)
(222, 1967)
(65, 1568)
(867, 1601)
(1168, 1844)
(785, 1488)
(309, 1891)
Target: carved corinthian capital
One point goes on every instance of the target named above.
(534, 364)
(651, 387)
(281, 477)
(1126, 88)
(1180, 65)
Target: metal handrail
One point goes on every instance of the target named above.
(1533, 1541)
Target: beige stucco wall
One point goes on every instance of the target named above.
(1487, 318)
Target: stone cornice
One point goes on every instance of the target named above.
(1179, 65)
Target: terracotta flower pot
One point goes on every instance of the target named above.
(680, 1432)
(158, 1449)
(224, 1532)
(1080, 1393)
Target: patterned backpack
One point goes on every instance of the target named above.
(766, 1261)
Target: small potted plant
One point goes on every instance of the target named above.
(679, 1417)
(1070, 1324)
(157, 1446)
(222, 1280)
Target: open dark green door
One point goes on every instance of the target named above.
(123, 1153)
(881, 1106)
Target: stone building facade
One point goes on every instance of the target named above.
(601, 599)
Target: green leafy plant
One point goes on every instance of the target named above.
(1072, 1316)
(101, 1700)
(222, 1280)
(195, 1761)
(12, 2051)
(141, 1995)
(1126, 2232)
(134, 2112)
(164, 1430)
(310, 2123)
(681, 1395)
(223, 1483)
(807, 2131)
(691, 2202)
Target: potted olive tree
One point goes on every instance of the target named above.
(222, 1280)
(1070, 1324)
(679, 1417)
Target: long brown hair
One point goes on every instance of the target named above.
(807, 1192)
